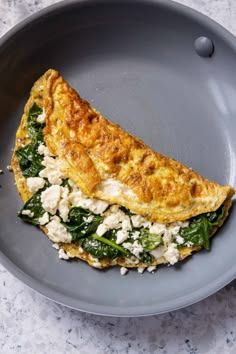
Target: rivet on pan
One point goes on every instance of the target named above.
(204, 47)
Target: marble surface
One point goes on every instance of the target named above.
(31, 324)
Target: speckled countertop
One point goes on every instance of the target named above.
(31, 324)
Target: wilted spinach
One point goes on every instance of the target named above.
(30, 160)
(101, 247)
(149, 241)
(78, 225)
(200, 227)
(35, 206)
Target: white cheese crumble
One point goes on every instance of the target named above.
(138, 220)
(114, 188)
(158, 252)
(78, 199)
(35, 183)
(9, 168)
(121, 236)
(88, 219)
(43, 150)
(41, 118)
(115, 219)
(53, 170)
(56, 246)
(28, 213)
(44, 219)
(135, 248)
(179, 239)
(135, 235)
(141, 270)
(172, 254)
(57, 232)
(50, 198)
(151, 269)
(156, 228)
(62, 254)
(1, 172)
(64, 206)
(123, 270)
(101, 230)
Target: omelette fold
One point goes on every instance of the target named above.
(101, 194)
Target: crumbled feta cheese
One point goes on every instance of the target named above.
(35, 183)
(41, 118)
(101, 230)
(135, 235)
(27, 212)
(78, 199)
(44, 219)
(172, 254)
(158, 252)
(126, 224)
(141, 270)
(43, 150)
(53, 170)
(1, 172)
(167, 238)
(62, 254)
(189, 244)
(135, 248)
(151, 269)
(179, 239)
(114, 188)
(123, 270)
(156, 228)
(57, 231)
(50, 198)
(183, 223)
(88, 219)
(56, 246)
(64, 206)
(114, 219)
(138, 220)
(9, 168)
(174, 229)
(121, 236)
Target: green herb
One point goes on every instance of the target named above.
(200, 227)
(77, 224)
(149, 241)
(30, 160)
(35, 206)
(35, 128)
(110, 243)
(100, 247)
(146, 257)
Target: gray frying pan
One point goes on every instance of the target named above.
(166, 74)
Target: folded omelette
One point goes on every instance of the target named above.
(101, 194)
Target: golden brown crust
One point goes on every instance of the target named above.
(94, 149)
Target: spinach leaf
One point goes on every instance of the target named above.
(30, 160)
(34, 127)
(200, 227)
(35, 206)
(100, 247)
(77, 224)
(146, 257)
(149, 241)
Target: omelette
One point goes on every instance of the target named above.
(102, 195)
